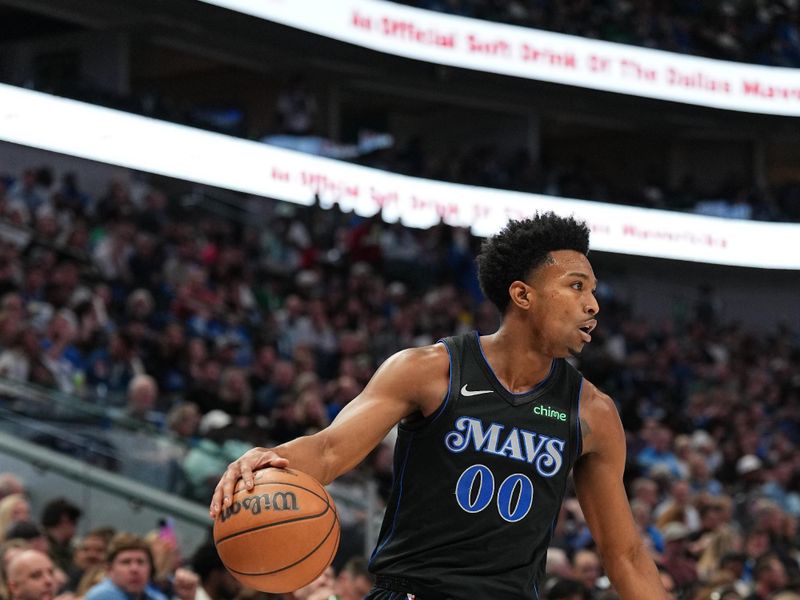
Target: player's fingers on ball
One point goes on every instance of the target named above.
(247, 476)
(216, 500)
(280, 462)
(273, 460)
(229, 480)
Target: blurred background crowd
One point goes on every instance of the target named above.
(224, 335)
(209, 327)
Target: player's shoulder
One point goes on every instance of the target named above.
(598, 413)
(596, 401)
(421, 359)
(418, 374)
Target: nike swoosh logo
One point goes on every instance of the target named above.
(466, 392)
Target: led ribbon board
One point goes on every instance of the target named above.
(114, 137)
(534, 54)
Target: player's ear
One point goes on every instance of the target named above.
(521, 294)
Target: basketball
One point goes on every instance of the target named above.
(281, 535)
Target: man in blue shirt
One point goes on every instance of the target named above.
(130, 565)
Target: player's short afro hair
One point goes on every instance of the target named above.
(521, 247)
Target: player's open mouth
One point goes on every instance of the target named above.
(587, 329)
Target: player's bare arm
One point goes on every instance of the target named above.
(599, 486)
(412, 381)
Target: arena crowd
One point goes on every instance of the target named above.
(222, 334)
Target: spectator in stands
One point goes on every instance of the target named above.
(69, 194)
(643, 515)
(724, 542)
(564, 589)
(10, 484)
(113, 366)
(750, 472)
(235, 394)
(167, 556)
(645, 490)
(31, 576)
(557, 563)
(13, 508)
(354, 581)
(216, 582)
(322, 588)
(60, 355)
(209, 457)
(8, 550)
(779, 485)
(659, 453)
(89, 552)
(678, 507)
(296, 108)
(769, 577)
(113, 253)
(35, 538)
(280, 383)
(700, 477)
(28, 190)
(30, 533)
(676, 559)
(142, 402)
(60, 520)
(586, 569)
(183, 420)
(20, 359)
(130, 566)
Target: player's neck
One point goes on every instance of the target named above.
(515, 362)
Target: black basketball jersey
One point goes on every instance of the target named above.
(478, 484)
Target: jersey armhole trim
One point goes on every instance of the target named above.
(578, 431)
(446, 400)
(420, 426)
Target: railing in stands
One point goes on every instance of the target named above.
(94, 448)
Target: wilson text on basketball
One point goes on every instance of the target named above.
(277, 501)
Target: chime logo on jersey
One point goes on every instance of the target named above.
(544, 452)
(551, 413)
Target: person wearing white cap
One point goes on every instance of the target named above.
(748, 464)
(675, 559)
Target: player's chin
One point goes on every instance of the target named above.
(575, 351)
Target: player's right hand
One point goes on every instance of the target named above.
(243, 468)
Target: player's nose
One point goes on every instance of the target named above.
(592, 306)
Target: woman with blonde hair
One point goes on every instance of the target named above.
(90, 578)
(722, 541)
(13, 508)
(673, 514)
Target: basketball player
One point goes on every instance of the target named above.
(490, 427)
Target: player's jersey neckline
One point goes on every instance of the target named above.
(515, 399)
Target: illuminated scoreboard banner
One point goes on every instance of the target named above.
(535, 54)
(114, 137)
